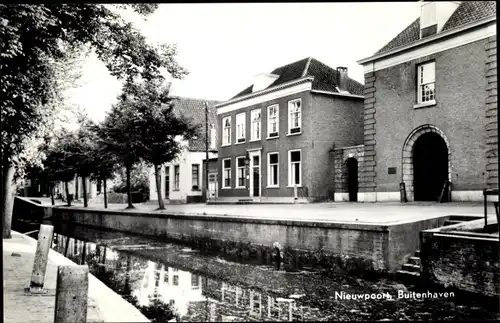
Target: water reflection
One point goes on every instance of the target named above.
(169, 282)
(176, 294)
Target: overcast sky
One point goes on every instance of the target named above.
(224, 45)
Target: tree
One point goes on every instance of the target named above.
(159, 128)
(118, 135)
(58, 161)
(33, 39)
(105, 164)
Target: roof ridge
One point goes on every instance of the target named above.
(307, 66)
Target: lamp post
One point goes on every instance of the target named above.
(207, 194)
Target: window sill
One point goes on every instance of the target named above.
(272, 137)
(176, 190)
(226, 145)
(294, 134)
(255, 140)
(240, 187)
(273, 186)
(225, 188)
(425, 104)
(240, 143)
(292, 186)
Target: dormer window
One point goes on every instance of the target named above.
(434, 15)
(426, 92)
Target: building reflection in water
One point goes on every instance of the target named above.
(190, 296)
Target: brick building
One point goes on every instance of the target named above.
(430, 107)
(281, 132)
(183, 179)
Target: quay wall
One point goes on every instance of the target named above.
(342, 246)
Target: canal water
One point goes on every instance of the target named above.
(171, 282)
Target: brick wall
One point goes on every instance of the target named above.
(459, 114)
(491, 114)
(337, 122)
(467, 263)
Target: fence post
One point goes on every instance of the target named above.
(45, 236)
(71, 294)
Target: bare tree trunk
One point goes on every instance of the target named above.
(105, 194)
(8, 194)
(84, 186)
(68, 199)
(77, 186)
(51, 188)
(161, 204)
(129, 189)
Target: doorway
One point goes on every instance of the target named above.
(167, 182)
(352, 179)
(430, 167)
(254, 174)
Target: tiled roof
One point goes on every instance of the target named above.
(325, 77)
(467, 12)
(194, 110)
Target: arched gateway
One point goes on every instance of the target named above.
(426, 163)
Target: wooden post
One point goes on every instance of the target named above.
(105, 194)
(71, 294)
(213, 312)
(45, 236)
(295, 195)
(66, 247)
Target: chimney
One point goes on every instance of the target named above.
(342, 75)
(434, 15)
(263, 80)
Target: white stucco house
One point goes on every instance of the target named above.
(183, 180)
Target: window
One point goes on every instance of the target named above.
(255, 116)
(226, 131)
(240, 127)
(195, 176)
(241, 172)
(176, 280)
(273, 170)
(213, 137)
(195, 281)
(176, 177)
(272, 121)
(294, 168)
(226, 173)
(294, 116)
(426, 82)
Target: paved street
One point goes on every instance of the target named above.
(369, 213)
(18, 256)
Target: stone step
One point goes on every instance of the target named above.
(451, 222)
(411, 268)
(415, 261)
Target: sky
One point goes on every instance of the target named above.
(224, 45)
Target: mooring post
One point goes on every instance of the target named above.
(71, 294)
(45, 236)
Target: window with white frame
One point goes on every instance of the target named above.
(294, 116)
(273, 170)
(272, 121)
(294, 168)
(226, 131)
(176, 177)
(255, 116)
(426, 91)
(226, 173)
(240, 170)
(240, 127)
